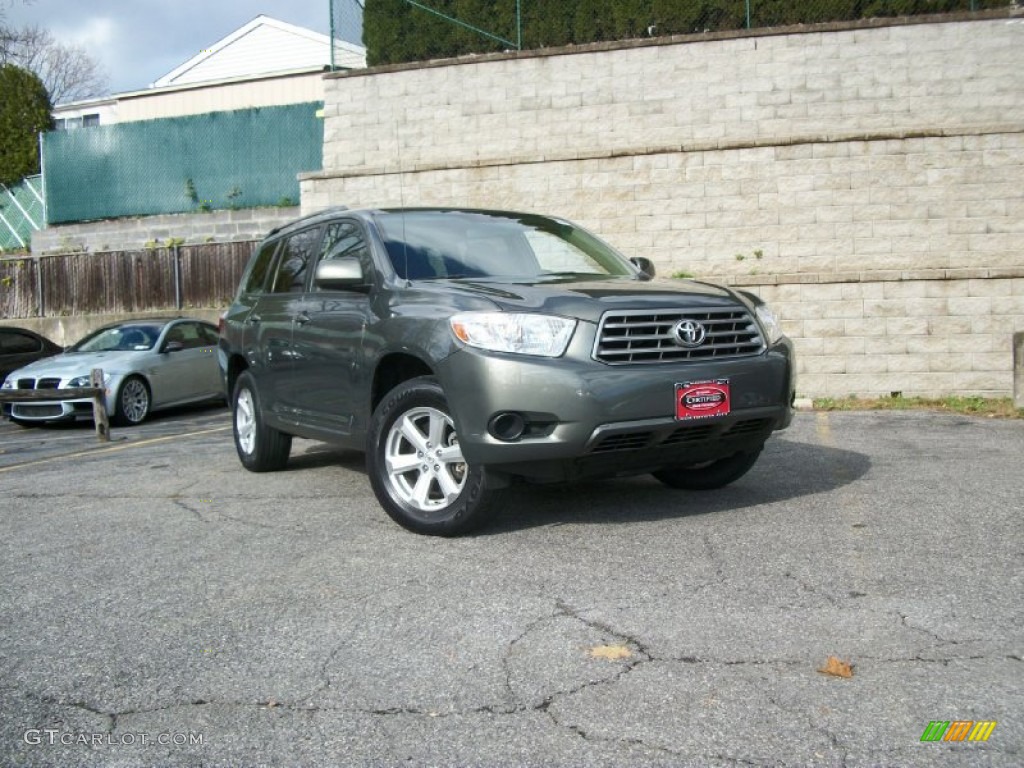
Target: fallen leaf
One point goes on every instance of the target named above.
(837, 667)
(610, 652)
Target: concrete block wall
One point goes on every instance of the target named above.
(750, 90)
(135, 232)
(932, 335)
(839, 171)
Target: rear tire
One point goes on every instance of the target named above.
(710, 475)
(260, 448)
(416, 467)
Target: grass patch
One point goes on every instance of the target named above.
(991, 407)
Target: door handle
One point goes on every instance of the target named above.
(302, 318)
(252, 319)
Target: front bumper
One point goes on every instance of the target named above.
(57, 410)
(586, 418)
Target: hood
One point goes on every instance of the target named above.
(70, 364)
(584, 299)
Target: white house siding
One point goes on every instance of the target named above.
(271, 91)
(864, 178)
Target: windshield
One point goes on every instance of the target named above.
(427, 245)
(120, 338)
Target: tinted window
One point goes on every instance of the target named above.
(343, 239)
(260, 267)
(296, 252)
(18, 343)
(192, 335)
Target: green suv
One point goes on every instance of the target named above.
(465, 349)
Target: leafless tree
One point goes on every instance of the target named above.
(69, 72)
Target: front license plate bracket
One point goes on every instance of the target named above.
(702, 399)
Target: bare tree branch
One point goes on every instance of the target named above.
(69, 72)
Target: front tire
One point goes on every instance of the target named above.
(133, 402)
(416, 466)
(260, 448)
(710, 475)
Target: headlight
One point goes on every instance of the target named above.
(769, 322)
(8, 384)
(80, 381)
(518, 333)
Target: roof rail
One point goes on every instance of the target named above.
(332, 209)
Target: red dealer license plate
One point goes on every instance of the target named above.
(702, 399)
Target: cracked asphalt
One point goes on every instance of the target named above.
(152, 593)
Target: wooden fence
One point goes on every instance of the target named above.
(181, 277)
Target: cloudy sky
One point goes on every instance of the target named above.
(137, 41)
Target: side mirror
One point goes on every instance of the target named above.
(644, 265)
(345, 273)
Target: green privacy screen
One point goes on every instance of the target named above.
(239, 159)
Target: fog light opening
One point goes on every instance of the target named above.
(508, 426)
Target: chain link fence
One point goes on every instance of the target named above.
(414, 30)
(21, 213)
(218, 160)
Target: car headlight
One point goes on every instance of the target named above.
(8, 384)
(86, 381)
(770, 323)
(520, 333)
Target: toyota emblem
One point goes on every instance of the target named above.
(689, 333)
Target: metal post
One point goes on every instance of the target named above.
(1018, 369)
(42, 178)
(177, 278)
(330, 6)
(39, 285)
(519, 26)
(748, 14)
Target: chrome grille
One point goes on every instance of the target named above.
(645, 336)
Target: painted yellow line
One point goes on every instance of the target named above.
(113, 448)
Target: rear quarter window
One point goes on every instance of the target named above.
(257, 277)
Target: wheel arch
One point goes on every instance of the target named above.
(235, 365)
(393, 369)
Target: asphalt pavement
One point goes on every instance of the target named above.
(160, 606)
